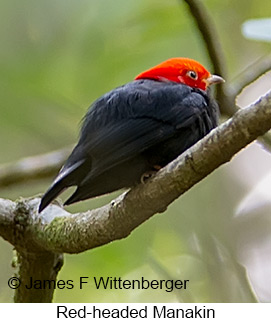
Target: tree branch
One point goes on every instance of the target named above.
(41, 238)
(47, 165)
(34, 268)
(33, 168)
(7, 209)
(251, 74)
(209, 34)
(213, 47)
(56, 230)
(226, 94)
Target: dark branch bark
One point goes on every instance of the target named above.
(210, 37)
(209, 34)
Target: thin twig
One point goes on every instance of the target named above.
(33, 168)
(251, 74)
(214, 49)
(209, 34)
(226, 94)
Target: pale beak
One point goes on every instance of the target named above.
(214, 79)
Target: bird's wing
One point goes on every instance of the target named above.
(130, 124)
(121, 142)
(124, 123)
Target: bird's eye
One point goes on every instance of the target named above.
(192, 74)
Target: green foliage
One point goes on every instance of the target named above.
(56, 58)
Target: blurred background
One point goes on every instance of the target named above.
(58, 56)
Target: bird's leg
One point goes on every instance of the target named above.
(147, 175)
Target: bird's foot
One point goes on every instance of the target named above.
(147, 175)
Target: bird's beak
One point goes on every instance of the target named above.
(214, 79)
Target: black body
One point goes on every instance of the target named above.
(128, 132)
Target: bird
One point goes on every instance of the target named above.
(131, 132)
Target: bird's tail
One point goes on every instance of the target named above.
(51, 194)
(66, 178)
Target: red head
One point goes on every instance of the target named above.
(181, 70)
